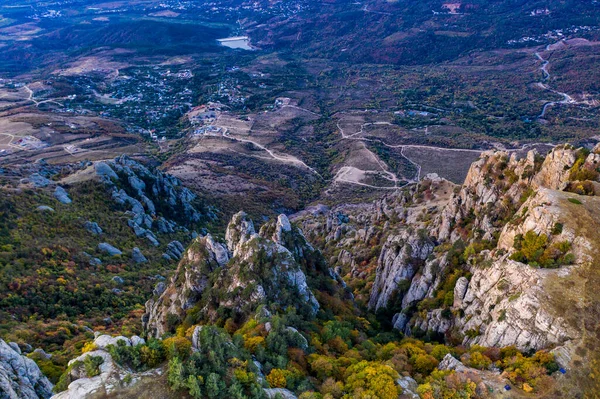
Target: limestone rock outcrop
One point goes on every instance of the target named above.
(254, 269)
(434, 233)
(155, 202)
(112, 379)
(20, 377)
(401, 258)
(187, 285)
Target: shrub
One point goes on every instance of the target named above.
(177, 347)
(92, 365)
(557, 229)
(277, 378)
(332, 388)
(371, 379)
(533, 249)
(253, 343)
(425, 364)
(89, 347)
(176, 374)
(153, 353)
(439, 351)
(478, 360)
(502, 316)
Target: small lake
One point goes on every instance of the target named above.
(238, 42)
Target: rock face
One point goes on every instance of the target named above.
(502, 303)
(252, 270)
(112, 380)
(444, 265)
(518, 315)
(554, 172)
(186, 287)
(239, 231)
(149, 196)
(20, 377)
(401, 257)
(449, 362)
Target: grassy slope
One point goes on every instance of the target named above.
(575, 297)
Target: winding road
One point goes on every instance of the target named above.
(567, 99)
(36, 102)
(287, 159)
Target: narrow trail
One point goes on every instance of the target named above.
(366, 9)
(301, 109)
(353, 175)
(567, 99)
(416, 165)
(36, 102)
(341, 177)
(287, 159)
(402, 147)
(384, 168)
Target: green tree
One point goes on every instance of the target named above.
(213, 385)
(193, 385)
(176, 374)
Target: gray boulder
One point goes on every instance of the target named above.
(93, 228)
(45, 208)
(152, 240)
(93, 261)
(159, 288)
(109, 249)
(148, 204)
(449, 362)
(137, 230)
(41, 353)
(138, 256)
(164, 226)
(135, 341)
(102, 341)
(61, 195)
(20, 377)
(105, 171)
(175, 250)
(409, 387)
(39, 181)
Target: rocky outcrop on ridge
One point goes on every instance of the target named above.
(445, 260)
(253, 269)
(20, 377)
(401, 257)
(112, 379)
(156, 202)
(203, 257)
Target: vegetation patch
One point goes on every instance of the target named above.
(533, 249)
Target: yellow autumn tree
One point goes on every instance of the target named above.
(370, 380)
(277, 378)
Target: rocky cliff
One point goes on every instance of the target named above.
(232, 280)
(502, 260)
(20, 377)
